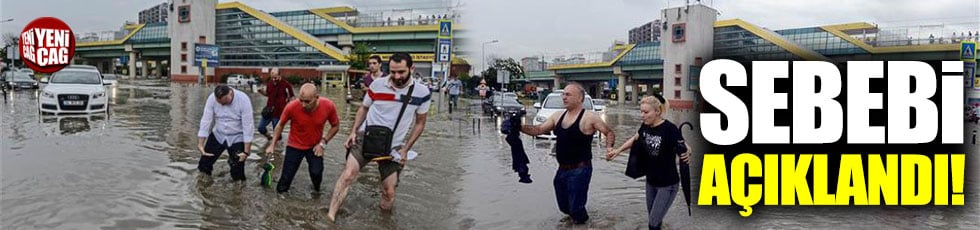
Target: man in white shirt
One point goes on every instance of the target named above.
(382, 106)
(230, 112)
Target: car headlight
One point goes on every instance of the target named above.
(47, 94)
(540, 119)
(500, 108)
(98, 95)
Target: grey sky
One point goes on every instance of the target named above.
(543, 27)
(554, 27)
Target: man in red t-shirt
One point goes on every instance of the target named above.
(307, 117)
(279, 93)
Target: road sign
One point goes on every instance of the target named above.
(206, 52)
(968, 51)
(445, 29)
(444, 50)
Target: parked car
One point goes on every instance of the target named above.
(238, 79)
(109, 79)
(600, 104)
(21, 80)
(554, 104)
(73, 90)
(89, 67)
(504, 104)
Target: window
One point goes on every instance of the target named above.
(678, 32)
(183, 57)
(677, 94)
(677, 81)
(183, 46)
(202, 39)
(184, 14)
(677, 68)
(183, 69)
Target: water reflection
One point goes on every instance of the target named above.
(136, 168)
(73, 124)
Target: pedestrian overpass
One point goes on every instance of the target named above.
(641, 66)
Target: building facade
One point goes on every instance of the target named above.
(155, 14)
(648, 32)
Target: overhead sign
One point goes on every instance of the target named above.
(206, 52)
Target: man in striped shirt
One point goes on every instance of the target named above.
(381, 107)
(230, 111)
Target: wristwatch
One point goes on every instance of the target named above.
(323, 145)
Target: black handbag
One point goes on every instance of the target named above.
(267, 112)
(377, 138)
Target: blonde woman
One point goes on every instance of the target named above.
(655, 156)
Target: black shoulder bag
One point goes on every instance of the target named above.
(377, 138)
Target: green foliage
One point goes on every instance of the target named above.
(295, 79)
(359, 56)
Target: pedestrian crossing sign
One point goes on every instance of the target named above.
(445, 29)
(968, 51)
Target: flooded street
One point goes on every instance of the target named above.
(135, 167)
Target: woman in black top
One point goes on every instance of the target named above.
(661, 142)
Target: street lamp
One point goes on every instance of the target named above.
(484, 54)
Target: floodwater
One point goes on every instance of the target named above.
(135, 167)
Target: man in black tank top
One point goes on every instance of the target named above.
(573, 129)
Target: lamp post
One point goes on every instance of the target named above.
(484, 55)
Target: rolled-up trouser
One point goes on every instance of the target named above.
(294, 157)
(206, 164)
(572, 192)
(263, 129)
(385, 167)
(659, 200)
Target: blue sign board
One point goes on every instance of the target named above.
(445, 29)
(444, 50)
(123, 60)
(207, 52)
(968, 51)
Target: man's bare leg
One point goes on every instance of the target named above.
(388, 191)
(347, 177)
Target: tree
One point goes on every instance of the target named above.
(9, 39)
(359, 55)
(509, 65)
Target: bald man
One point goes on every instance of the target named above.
(308, 116)
(573, 130)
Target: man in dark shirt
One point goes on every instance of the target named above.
(279, 93)
(573, 129)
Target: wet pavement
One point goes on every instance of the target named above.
(135, 167)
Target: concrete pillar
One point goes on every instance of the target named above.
(146, 66)
(557, 83)
(159, 66)
(132, 65)
(634, 93)
(621, 89)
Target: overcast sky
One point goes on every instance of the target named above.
(544, 27)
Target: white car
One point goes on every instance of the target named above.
(600, 104)
(238, 79)
(73, 90)
(553, 104)
(110, 79)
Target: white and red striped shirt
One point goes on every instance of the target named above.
(384, 102)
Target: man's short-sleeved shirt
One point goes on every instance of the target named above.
(306, 128)
(385, 101)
